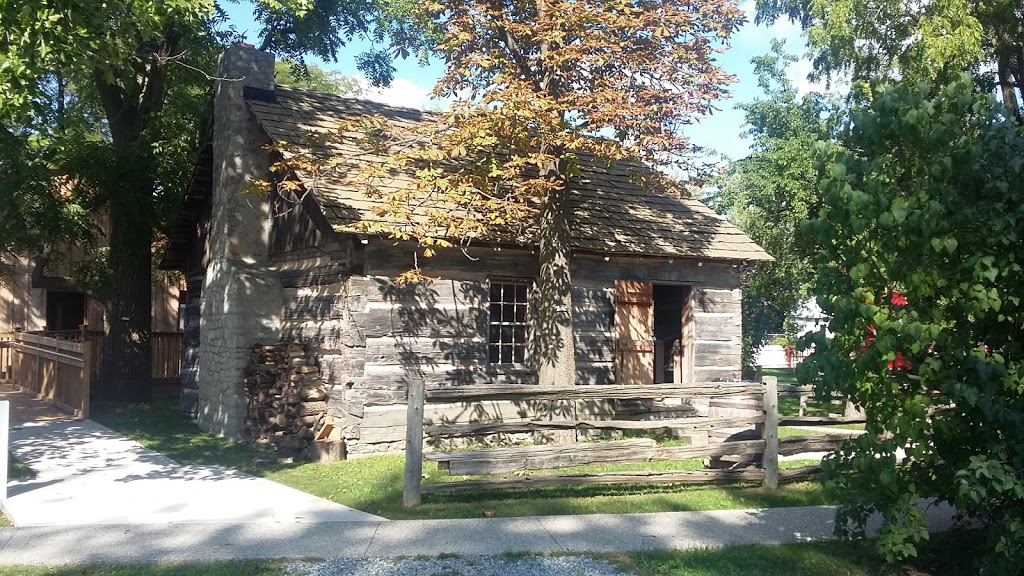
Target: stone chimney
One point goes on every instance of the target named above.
(241, 295)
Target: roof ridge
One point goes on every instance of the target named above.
(313, 94)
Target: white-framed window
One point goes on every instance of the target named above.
(507, 322)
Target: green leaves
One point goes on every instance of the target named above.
(947, 244)
(926, 225)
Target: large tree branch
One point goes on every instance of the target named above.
(113, 101)
(518, 56)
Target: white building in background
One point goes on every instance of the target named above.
(809, 317)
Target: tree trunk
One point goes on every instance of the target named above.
(1006, 84)
(126, 366)
(555, 346)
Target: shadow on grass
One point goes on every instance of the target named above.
(374, 484)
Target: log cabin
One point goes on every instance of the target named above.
(656, 290)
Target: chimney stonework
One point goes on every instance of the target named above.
(241, 294)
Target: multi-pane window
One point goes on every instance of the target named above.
(507, 322)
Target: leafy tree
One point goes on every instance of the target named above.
(131, 68)
(913, 41)
(538, 87)
(770, 191)
(926, 200)
(291, 73)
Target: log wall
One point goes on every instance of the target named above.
(374, 337)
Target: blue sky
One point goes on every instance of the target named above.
(720, 132)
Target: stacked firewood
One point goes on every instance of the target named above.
(287, 397)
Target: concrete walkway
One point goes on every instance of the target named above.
(87, 474)
(98, 497)
(144, 543)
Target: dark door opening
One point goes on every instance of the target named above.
(64, 310)
(673, 342)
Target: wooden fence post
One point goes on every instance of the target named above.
(770, 461)
(411, 494)
(5, 422)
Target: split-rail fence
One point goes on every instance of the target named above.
(758, 400)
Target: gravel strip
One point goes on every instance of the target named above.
(509, 565)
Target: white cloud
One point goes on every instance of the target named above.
(401, 92)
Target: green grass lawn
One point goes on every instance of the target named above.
(945, 555)
(786, 376)
(374, 484)
(15, 471)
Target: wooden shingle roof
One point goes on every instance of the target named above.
(609, 212)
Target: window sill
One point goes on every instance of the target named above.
(510, 368)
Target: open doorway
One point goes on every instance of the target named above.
(654, 333)
(64, 310)
(673, 329)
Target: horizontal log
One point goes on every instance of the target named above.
(526, 458)
(818, 443)
(820, 420)
(737, 404)
(749, 476)
(598, 392)
(797, 473)
(684, 424)
(531, 458)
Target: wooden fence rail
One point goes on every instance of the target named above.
(166, 354)
(56, 371)
(762, 397)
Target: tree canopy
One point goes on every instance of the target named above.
(931, 42)
(770, 191)
(100, 104)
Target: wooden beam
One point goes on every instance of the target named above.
(550, 456)
(820, 420)
(816, 443)
(770, 433)
(411, 490)
(748, 476)
(553, 456)
(798, 473)
(591, 392)
(682, 424)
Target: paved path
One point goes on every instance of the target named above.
(100, 498)
(485, 536)
(87, 474)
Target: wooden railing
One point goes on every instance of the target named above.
(56, 371)
(6, 352)
(166, 354)
(521, 460)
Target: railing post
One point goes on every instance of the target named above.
(770, 433)
(85, 383)
(5, 423)
(411, 495)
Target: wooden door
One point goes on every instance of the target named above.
(634, 332)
